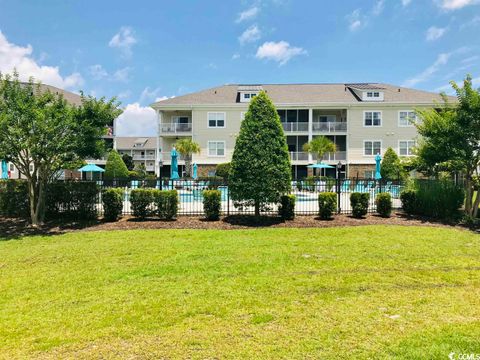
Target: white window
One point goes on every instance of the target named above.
(216, 148)
(246, 96)
(405, 147)
(216, 119)
(406, 118)
(376, 94)
(372, 147)
(372, 118)
(369, 94)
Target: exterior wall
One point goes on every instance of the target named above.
(203, 170)
(355, 170)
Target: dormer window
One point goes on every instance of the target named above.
(248, 92)
(373, 95)
(246, 97)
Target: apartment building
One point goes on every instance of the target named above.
(143, 150)
(362, 119)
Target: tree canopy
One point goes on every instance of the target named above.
(260, 168)
(187, 147)
(115, 168)
(391, 167)
(41, 133)
(319, 146)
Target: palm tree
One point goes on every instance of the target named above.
(186, 147)
(319, 146)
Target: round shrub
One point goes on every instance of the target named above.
(409, 201)
(112, 200)
(384, 204)
(327, 205)
(212, 202)
(287, 207)
(141, 201)
(359, 203)
(167, 203)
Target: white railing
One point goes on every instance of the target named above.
(174, 128)
(298, 156)
(329, 126)
(295, 126)
(333, 156)
(143, 157)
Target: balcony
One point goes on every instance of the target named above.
(295, 126)
(175, 128)
(166, 157)
(298, 156)
(333, 156)
(143, 157)
(329, 127)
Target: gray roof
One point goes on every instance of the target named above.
(124, 142)
(303, 94)
(70, 97)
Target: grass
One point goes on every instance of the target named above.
(363, 293)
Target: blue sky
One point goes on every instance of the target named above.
(147, 50)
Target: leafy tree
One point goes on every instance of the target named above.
(115, 167)
(260, 168)
(223, 170)
(41, 134)
(451, 140)
(391, 167)
(128, 160)
(319, 146)
(141, 170)
(186, 147)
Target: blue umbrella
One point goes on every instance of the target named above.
(174, 165)
(195, 169)
(91, 168)
(378, 175)
(4, 170)
(320, 166)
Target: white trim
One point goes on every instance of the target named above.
(406, 140)
(410, 125)
(372, 141)
(373, 111)
(224, 119)
(224, 148)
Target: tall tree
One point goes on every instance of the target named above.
(115, 168)
(41, 134)
(187, 147)
(319, 146)
(260, 168)
(451, 139)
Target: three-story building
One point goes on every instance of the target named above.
(361, 119)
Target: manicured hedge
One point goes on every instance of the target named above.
(72, 199)
(167, 203)
(287, 207)
(359, 203)
(212, 203)
(327, 205)
(141, 201)
(14, 198)
(408, 197)
(112, 200)
(384, 204)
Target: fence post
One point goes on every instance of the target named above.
(339, 193)
(228, 199)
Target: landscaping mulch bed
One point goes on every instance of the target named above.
(14, 228)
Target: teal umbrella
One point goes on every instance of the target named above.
(174, 165)
(320, 166)
(91, 168)
(195, 170)
(378, 175)
(4, 170)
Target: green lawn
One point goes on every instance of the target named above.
(359, 292)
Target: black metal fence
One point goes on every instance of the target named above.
(190, 194)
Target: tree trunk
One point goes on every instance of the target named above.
(468, 194)
(187, 166)
(257, 208)
(36, 196)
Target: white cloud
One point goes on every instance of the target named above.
(252, 34)
(122, 75)
(435, 33)
(455, 4)
(17, 57)
(148, 95)
(124, 94)
(97, 72)
(450, 91)
(235, 56)
(470, 60)
(441, 60)
(355, 20)
(280, 52)
(406, 2)
(248, 14)
(136, 120)
(124, 40)
(475, 21)
(378, 7)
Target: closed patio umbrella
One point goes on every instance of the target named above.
(174, 165)
(4, 170)
(195, 170)
(378, 175)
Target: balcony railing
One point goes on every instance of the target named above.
(143, 157)
(298, 156)
(329, 126)
(174, 128)
(295, 126)
(333, 156)
(165, 156)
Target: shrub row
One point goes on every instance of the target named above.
(69, 199)
(150, 202)
(327, 204)
(438, 199)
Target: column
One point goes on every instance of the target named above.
(310, 132)
(157, 153)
